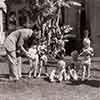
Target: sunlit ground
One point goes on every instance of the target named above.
(41, 89)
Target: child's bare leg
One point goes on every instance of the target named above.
(62, 75)
(60, 78)
(84, 72)
(36, 65)
(40, 68)
(44, 62)
(52, 76)
(88, 70)
(30, 72)
(31, 69)
(35, 72)
(46, 69)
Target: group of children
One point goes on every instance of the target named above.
(38, 58)
(63, 71)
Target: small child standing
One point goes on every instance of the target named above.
(42, 50)
(34, 61)
(86, 53)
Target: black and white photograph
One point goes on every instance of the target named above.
(49, 50)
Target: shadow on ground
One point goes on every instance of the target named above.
(92, 83)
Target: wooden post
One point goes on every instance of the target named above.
(2, 10)
(1, 27)
(1, 21)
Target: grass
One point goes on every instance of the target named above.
(41, 89)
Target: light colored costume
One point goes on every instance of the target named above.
(87, 53)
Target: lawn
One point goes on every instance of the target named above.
(41, 89)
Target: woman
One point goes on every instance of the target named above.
(14, 47)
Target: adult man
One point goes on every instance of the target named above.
(14, 45)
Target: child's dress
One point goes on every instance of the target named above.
(87, 53)
(32, 52)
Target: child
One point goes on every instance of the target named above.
(87, 53)
(42, 58)
(59, 73)
(34, 61)
(72, 68)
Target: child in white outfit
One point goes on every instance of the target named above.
(59, 73)
(87, 53)
(34, 61)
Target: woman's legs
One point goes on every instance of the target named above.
(12, 64)
(19, 64)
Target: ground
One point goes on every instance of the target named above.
(41, 89)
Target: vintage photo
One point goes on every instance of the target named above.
(49, 50)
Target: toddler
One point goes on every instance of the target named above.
(42, 59)
(34, 61)
(86, 53)
(73, 67)
(59, 73)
